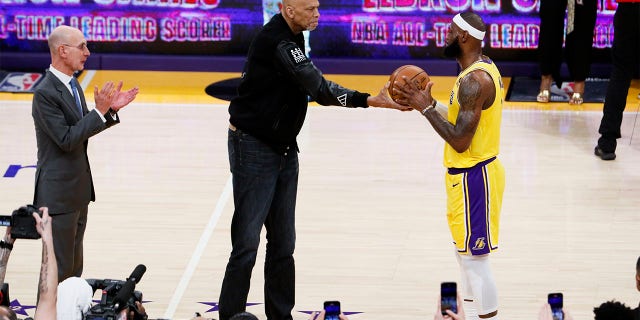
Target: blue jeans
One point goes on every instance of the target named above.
(264, 193)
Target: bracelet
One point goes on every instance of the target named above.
(6, 245)
(433, 105)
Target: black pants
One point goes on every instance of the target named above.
(624, 57)
(68, 234)
(578, 43)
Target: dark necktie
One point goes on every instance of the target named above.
(76, 95)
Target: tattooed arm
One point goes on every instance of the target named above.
(476, 93)
(5, 252)
(48, 284)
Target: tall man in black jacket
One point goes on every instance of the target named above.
(266, 117)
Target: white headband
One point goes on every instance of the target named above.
(464, 25)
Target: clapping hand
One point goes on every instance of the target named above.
(123, 98)
(112, 97)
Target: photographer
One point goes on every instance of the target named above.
(68, 300)
(71, 298)
(48, 282)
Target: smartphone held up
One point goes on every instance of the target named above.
(332, 310)
(448, 297)
(555, 301)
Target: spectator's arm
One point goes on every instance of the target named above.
(5, 252)
(48, 284)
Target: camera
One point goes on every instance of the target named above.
(22, 223)
(448, 297)
(110, 303)
(116, 296)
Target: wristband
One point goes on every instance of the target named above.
(433, 105)
(6, 245)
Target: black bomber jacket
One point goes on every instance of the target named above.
(276, 84)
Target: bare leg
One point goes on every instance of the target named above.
(578, 93)
(545, 86)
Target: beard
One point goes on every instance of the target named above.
(453, 50)
(311, 26)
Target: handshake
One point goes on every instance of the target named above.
(22, 222)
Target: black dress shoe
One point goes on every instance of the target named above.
(603, 154)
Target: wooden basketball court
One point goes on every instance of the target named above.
(371, 223)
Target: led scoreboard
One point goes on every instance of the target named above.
(379, 29)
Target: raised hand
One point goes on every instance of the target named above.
(111, 97)
(121, 99)
(103, 97)
(43, 224)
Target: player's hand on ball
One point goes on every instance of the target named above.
(382, 100)
(412, 96)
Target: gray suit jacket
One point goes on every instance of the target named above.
(63, 179)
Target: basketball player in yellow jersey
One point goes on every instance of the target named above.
(470, 126)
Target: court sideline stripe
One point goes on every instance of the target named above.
(87, 79)
(197, 253)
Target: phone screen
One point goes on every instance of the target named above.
(5, 221)
(555, 301)
(331, 310)
(448, 297)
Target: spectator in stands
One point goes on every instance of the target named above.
(581, 20)
(613, 310)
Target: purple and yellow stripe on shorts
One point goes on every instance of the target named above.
(477, 208)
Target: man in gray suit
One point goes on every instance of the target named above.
(63, 126)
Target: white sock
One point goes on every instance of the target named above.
(468, 300)
(481, 282)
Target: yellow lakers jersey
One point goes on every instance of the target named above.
(486, 140)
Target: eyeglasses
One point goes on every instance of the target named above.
(81, 47)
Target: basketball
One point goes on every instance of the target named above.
(413, 73)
